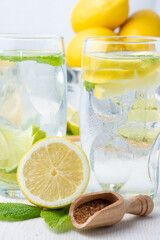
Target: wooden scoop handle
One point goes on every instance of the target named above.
(139, 205)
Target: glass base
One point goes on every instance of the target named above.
(126, 194)
(130, 195)
(12, 193)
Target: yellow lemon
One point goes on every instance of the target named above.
(142, 23)
(105, 13)
(53, 172)
(75, 47)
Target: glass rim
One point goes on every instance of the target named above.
(147, 40)
(29, 36)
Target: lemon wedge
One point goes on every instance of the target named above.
(53, 172)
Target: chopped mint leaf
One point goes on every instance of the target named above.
(55, 218)
(150, 60)
(18, 211)
(54, 60)
(89, 85)
(145, 58)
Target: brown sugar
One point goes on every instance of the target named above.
(86, 210)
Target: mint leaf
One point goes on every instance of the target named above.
(88, 85)
(150, 60)
(55, 218)
(18, 211)
(37, 134)
(54, 60)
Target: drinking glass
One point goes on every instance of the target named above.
(120, 112)
(73, 87)
(32, 96)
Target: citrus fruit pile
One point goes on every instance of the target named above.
(102, 18)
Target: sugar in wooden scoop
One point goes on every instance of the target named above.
(86, 210)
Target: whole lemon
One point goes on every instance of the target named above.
(142, 23)
(75, 46)
(99, 13)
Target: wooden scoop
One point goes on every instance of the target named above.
(114, 212)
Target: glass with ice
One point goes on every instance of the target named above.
(120, 112)
(32, 93)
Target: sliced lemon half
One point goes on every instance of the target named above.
(53, 172)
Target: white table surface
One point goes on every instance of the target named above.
(130, 228)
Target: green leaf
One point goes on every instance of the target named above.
(18, 211)
(150, 60)
(55, 218)
(88, 85)
(55, 59)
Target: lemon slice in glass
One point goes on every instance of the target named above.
(53, 172)
(113, 74)
(103, 68)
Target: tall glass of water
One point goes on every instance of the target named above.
(120, 112)
(32, 96)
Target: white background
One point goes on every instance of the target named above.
(48, 16)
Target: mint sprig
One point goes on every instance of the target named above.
(55, 218)
(88, 85)
(21, 212)
(54, 60)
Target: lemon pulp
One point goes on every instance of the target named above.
(53, 172)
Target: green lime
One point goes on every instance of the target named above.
(4, 154)
(8, 177)
(74, 123)
(13, 144)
